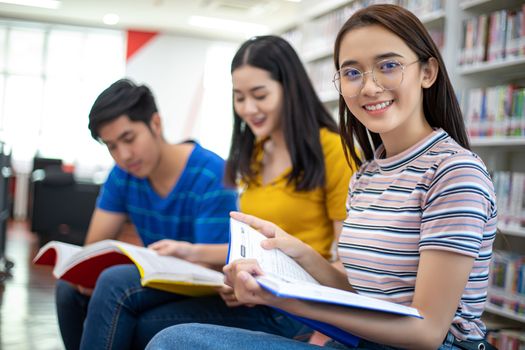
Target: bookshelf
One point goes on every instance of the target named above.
(498, 139)
(512, 231)
(487, 5)
(497, 310)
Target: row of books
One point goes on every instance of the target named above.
(507, 339)
(318, 35)
(322, 73)
(506, 302)
(494, 111)
(491, 37)
(423, 7)
(507, 280)
(510, 194)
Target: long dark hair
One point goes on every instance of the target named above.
(303, 114)
(440, 104)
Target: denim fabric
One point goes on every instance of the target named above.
(209, 337)
(71, 311)
(123, 315)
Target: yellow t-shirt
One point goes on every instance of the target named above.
(307, 215)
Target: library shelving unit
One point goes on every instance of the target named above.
(492, 84)
(472, 65)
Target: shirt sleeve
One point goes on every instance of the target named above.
(458, 206)
(112, 194)
(337, 176)
(212, 222)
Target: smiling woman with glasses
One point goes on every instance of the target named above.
(387, 74)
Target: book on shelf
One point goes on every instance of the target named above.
(83, 265)
(510, 194)
(284, 277)
(494, 111)
(497, 36)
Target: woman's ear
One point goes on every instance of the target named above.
(430, 72)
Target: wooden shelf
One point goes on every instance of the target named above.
(497, 141)
(307, 14)
(479, 6)
(496, 310)
(432, 18)
(503, 67)
(323, 7)
(518, 232)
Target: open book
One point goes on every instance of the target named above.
(83, 265)
(286, 278)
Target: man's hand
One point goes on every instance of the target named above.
(178, 249)
(83, 290)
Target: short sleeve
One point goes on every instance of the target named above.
(459, 207)
(338, 175)
(212, 221)
(112, 194)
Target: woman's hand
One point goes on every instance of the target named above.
(228, 295)
(240, 275)
(277, 238)
(178, 249)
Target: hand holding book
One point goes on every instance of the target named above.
(82, 266)
(270, 277)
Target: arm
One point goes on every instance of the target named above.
(104, 225)
(340, 282)
(437, 296)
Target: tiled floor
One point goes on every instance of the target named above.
(27, 308)
(27, 314)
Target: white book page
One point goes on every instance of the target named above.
(64, 253)
(169, 267)
(325, 294)
(245, 243)
(89, 251)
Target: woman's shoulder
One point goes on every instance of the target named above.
(449, 152)
(328, 135)
(330, 141)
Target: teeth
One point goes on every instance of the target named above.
(378, 106)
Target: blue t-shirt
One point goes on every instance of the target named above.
(196, 210)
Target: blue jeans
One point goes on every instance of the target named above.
(121, 314)
(209, 337)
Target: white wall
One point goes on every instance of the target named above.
(190, 79)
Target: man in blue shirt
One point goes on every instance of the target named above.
(174, 196)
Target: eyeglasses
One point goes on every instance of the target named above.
(387, 74)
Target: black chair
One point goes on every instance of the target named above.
(43, 163)
(61, 207)
(5, 208)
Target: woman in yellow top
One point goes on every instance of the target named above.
(286, 156)
(286, 152)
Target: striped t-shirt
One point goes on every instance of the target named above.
(437, 196)
(196, 210)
